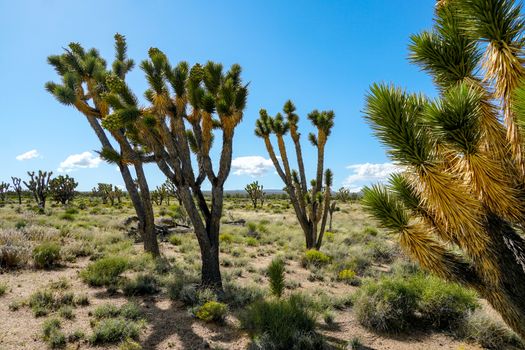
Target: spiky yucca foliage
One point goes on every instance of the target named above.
(312, 204)
(84, 83)
(63, 188)
(459, 204)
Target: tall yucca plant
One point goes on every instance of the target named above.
(459, 205)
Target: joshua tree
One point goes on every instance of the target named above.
(160, 194)
(4, 187)
(39, 186)
(62, 188)
(256, 193)
(108, 192)
(172, 191)
(331, 210)
(343, 195)
(83, 86)
(459, 205)
(186, 105)
(310, 205)
(17, 187)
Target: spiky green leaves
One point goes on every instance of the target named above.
(62, 93)
(395, 117)
(493, 20)
(323, 120)
(447, 53)
(385, 207)
(122, 64)
(455, 118)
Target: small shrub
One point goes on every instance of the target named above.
(316, 258)
(66, 312)
(252, 242)
(443, 304)
(14, 249)
(328, 317)
(3, 288)
(237, 296)
(114, 330)
(370, 231)
(15, 305)
(276, 276)
(42, 302)
(141, 285)
(67, 217)
(20, 224)
(105, 271)
(129, 344)
(175, 240)
(52, 334)
(76, 336)
(488, 332)
(280, 324)
(329, 236)
(348, 276)
(82, 300)
(226, 238)
(387, 305)
(46, 255)
(129, 311)
(212, 311)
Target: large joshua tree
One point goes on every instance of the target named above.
(312, 204)
(83, 85)
(186, 106)
(459, 205)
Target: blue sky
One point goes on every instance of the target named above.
(320, 54)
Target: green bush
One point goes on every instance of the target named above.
(212, 311)
(129, 311)
(46, 255)
(316, 258)
(175, 240)
(488, 332)
(141, 285)
(114, 330)
(348, 276)
(52, 334)
(226, 238)
(397, 304)
(3, 288)
(276, 275)
(105, 271)
(42, 302)
(281, 324)
(442, 304)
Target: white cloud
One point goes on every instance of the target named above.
(28, 155)
(79, 161)
(251, 165)
(367, 173)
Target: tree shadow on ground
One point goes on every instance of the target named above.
(176, 320)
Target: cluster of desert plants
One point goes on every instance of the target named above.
(256, 193)
(62, 189)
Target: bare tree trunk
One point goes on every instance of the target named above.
(149, 235)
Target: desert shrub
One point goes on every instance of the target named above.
(129, 344)
(348, 276)
(20, 224)
(46, 255)
(114, 330)
(398, 303)
(81, 300)
(42, 302)
(226, 238)
(276, 275)
(76, 336)
(105, 271)
(175, 240)
(212, 311)
(380, 251)
(67, 217)
(14, 249)
(443, 304)
(142, 284)
(129, 311)
(52, 334)
(251, 241)
(329, 236)
(315, 258)
(488, 332)
(3, 288)
(281, 324)
(387, 305)
(239, 296)
(66, 312)
(370, 231)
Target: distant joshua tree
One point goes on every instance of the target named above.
(17, 186)
(256, 193)
(63, 188)
(38, 185)
(311, 205)
(4, 187)
(343, 195)
(160, 194)
(172, 191)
